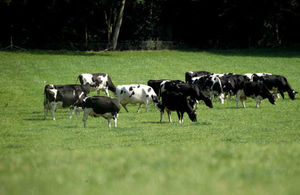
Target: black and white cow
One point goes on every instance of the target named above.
(211, 85)
(276, 84)
(136, 94)
(256, 90)
(63, 96)
(97, 106)
(252, 76)
(189, 75)
(98, 81)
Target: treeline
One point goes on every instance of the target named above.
(149, 24)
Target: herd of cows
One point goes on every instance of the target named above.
(167, 95)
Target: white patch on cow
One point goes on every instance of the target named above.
(249, 75)
(87, 79)
(54, 91)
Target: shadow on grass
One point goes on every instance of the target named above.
(266, 52)
(60, 52)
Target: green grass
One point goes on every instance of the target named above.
(228, 151)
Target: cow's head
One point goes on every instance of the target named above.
(193, 116)
(206, 99)
(292, 94)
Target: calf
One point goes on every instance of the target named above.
(63, 96)
(174, 101)
(257, 90)
(136, 94)
(276, 84)
(98, 81)
(189, 75)
(97, 106)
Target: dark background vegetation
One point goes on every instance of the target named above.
(150, 24)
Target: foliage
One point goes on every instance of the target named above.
(74, 24)
(228, 151)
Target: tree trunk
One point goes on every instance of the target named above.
(118, 26)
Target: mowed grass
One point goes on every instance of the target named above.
(228, 151)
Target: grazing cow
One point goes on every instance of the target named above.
(211, 85)
(97, 106)
(174, 101)
(191, 91)
(136, 93)
(189, 75)
(98, 81)
(155, 84)
(276, 84)
(63, 96)
(254, 89)
(226, 83)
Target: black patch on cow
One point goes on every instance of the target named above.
(121, 92)
(149, 89)
(147, 95)
(130, 88)
(132, 94)
(138, 86)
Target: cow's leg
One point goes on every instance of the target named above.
(72, 110)
(124, 106)
(169, 116)
(138, 110)
(108, 121)
(211, 93)
(85, 116)
(52, 110)
(237, 99)
(115, 118)
(221, 98)
(258, 101)
(243, 99)
(161, 115)
(282, 94)
(179, 117)
(106, 92)
(46, 108)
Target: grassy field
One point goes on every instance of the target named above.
(228, 151)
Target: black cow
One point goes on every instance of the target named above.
(189, 75)
(189, 90)
(103, 106)
(98, 81)
(63, 96)
(257, 90)
(276, 84)
(174, 101)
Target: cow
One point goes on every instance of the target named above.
(98, 82)
(189, 90)
(97, 106)
(176, 101)
(136, 94)
(63, 96)
(276, 84)
(256, 90)
(210, 85)
(180, 97)
(189, 75)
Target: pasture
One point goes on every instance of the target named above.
(228, 151)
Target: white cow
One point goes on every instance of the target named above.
(136, 94)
